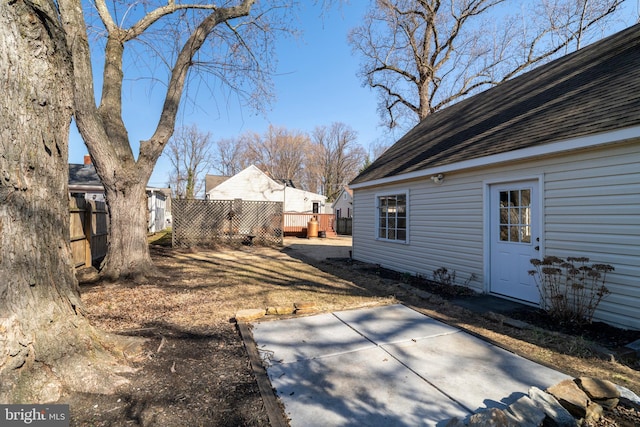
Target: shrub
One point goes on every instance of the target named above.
(444, 277)
(571, 289)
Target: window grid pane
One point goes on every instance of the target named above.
(392, 217)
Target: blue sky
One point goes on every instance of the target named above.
(316, 84)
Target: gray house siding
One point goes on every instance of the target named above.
(544, 164)
(590, 207)
(440, 219)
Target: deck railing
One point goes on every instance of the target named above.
(295, 224)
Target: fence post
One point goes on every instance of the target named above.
(88, 227)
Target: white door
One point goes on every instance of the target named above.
(515, 239)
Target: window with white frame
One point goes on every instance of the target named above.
(392, 217)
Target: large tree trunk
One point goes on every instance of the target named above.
(45, 340)
(128, 255)
(104, 131)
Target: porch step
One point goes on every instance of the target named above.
(331, 233)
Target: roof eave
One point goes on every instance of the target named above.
(86, 187)
(510, 156)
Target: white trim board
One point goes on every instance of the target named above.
(521, 154)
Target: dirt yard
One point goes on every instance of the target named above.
(194, 370)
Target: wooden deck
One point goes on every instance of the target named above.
(295, 224)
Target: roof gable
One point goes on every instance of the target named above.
(212, 181)
(593, 90)
(251, 180)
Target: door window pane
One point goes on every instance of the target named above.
(515, 215)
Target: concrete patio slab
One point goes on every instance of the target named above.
(364, 388)
(388, 366)
(475, 373)
(292, 340)
(393, 323)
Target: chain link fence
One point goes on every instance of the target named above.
(206, 223)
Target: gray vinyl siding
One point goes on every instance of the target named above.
(440, 218)
(592, 209)
(590, 206)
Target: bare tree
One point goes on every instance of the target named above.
(376, 150)
(280, 152)
(46, 344)
(189, 151)
(337, 157)
(240, 33)
(421, 55)
(230, 156)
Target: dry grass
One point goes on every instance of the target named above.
(195, 353)
(206, 287)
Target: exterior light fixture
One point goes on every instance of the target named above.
(437, 179)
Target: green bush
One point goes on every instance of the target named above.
(571, 289)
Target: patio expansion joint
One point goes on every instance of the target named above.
(382, 347)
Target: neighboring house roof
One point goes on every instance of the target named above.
(253, 184)
(248, 181)
(212, 181)
(593, 90)
(84, 176)
(345, 189)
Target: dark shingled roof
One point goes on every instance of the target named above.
(593, 90)
(80, 174)
(212, 181)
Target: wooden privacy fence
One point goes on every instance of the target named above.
(210, 222)
(295, 224)
(344, 225)
(88, 231)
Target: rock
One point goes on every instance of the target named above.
(598, 389)
(525, 413)
(571, 397)
(311, 310)
(281, 310)
(495, 317)
(455, 422)
(490, 418)
(628, 397)
(557, 415)
(304, 305)
(594, 413)
(608, 403)
(250, 314)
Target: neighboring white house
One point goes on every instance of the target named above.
(252, 184)
(343, 205)
(158, 206)
(547, 163)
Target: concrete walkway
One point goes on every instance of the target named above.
(388, 366)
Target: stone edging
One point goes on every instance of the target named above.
(568, 403)
(251, 314)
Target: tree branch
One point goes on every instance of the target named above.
(151, 149)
